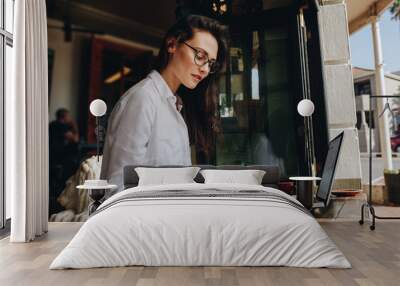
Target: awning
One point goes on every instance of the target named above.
(359, 12)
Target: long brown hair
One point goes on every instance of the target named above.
(201, 103)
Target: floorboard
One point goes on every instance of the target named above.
(375, 257)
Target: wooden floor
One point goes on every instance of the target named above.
(374, 255)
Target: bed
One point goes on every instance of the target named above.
(198, 224)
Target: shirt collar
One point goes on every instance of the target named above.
(162, 85)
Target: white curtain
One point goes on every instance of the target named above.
(27, 124)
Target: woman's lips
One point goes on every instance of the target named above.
(196, 77)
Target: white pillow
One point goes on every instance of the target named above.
(248, 177)
(162, 176)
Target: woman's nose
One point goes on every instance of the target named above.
(205, 69)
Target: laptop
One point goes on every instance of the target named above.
(323, 195)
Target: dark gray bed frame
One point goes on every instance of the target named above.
(270, 179)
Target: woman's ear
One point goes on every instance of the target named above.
(171, 45)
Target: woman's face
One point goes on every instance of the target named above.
(182, 62)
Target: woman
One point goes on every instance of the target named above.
(146, 127)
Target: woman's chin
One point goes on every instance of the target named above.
(191, 84)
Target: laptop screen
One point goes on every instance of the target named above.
(328, 171)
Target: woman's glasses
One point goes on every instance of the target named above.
(201, 58)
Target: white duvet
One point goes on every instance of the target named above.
(200, 231)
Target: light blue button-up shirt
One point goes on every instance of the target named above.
(145, 128)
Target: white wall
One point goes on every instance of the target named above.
(392, 86)
(66, 69)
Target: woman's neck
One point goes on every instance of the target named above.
(171, 80)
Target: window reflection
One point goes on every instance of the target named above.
(255, 57)
(9, 15)
(255, 103)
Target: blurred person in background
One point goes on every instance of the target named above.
(63, 154)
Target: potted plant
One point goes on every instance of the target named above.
(392, 182)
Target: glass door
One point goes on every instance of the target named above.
(274, 143)
(274, 62)
(233, 142)
(257, 100)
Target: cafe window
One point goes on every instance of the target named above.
(6, 45)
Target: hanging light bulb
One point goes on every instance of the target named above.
(305, 107)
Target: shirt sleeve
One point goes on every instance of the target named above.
(128, 134)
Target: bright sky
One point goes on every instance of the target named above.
(361, 47)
